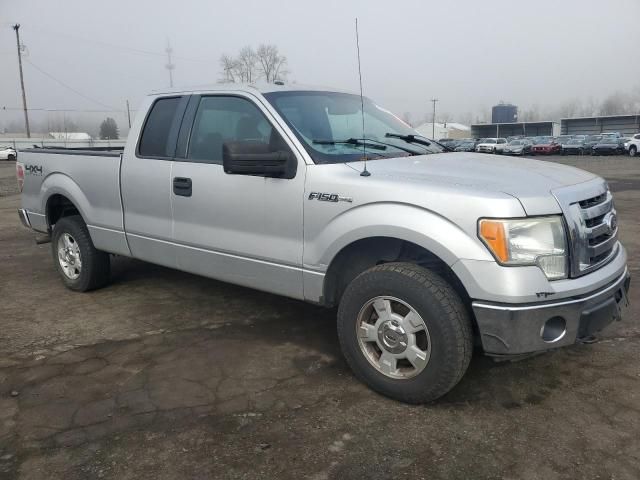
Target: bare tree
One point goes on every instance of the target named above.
(615, 104)
(229, 68)
(271, 64)
(443, 117)
(569, 108)
(247, 65)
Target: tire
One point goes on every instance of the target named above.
(633, 151)
(93, 270)
(447, 324)
(11, 157)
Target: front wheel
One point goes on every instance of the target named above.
(405, 332)
(81, 266)
(633, 151)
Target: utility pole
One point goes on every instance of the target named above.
(169, 66)
(128, 114)
(433, 119)
(16, 27)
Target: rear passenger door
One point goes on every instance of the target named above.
(146, 182)
(239, 228)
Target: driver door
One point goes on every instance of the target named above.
(242, 229)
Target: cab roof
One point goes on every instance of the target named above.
(258, 87)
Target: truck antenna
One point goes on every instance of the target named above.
(365, 172)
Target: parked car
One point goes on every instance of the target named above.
(248, 185)
(518, 147)
(448, 142)
(491, 145)
(546, 146)
(590, 142)
(609, 146)
(575, 146)
(563, 139)
(7, 153)
(633, 145)
(466, 146)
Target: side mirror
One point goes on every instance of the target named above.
(256, 158)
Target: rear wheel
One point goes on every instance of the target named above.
(81, 266)
(11, 157)
(405, 332)
(633, 151)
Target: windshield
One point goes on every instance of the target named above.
(593, 138)
(543, 140)
(609, 140)
(516, 142)
(323, 121)
(575, 141)
(489, 140)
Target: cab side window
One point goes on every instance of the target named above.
(155, 140)
(221, 119)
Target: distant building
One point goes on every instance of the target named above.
(623, 124)
(70, 135)
(525, 129)
(504, 113)
(444, 130)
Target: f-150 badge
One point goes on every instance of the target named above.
(329, 197)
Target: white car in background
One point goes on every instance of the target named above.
(633, 145)
(7, 153)
(491, 145)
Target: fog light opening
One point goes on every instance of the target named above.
(553, 329)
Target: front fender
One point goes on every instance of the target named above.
(396, 220)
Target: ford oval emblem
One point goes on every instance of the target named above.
(611, 221)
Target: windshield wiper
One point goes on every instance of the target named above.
(404, 149)
(419, 140)
(352, 141)
(408, 138)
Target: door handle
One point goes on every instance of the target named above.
(182, 186)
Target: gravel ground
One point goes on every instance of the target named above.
(166, 375)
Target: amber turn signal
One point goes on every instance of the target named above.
(494, 236)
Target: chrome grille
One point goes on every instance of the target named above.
(592, 225)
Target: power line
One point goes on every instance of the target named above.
(74, 110)
(68, 87)
(120, 47)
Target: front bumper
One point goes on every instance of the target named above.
(507, 329)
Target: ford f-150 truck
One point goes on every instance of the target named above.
(311, 194)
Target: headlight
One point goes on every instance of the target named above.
(528, 241)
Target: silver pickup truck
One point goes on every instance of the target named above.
(304, 193)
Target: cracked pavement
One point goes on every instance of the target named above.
(167, 375)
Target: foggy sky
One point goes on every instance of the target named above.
(469, 54)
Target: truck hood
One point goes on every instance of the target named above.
(530, 181)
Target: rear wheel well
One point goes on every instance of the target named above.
(363, 254)
(59, 206)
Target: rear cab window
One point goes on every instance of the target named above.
(159, 134)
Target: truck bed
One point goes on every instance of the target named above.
(91, 176)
